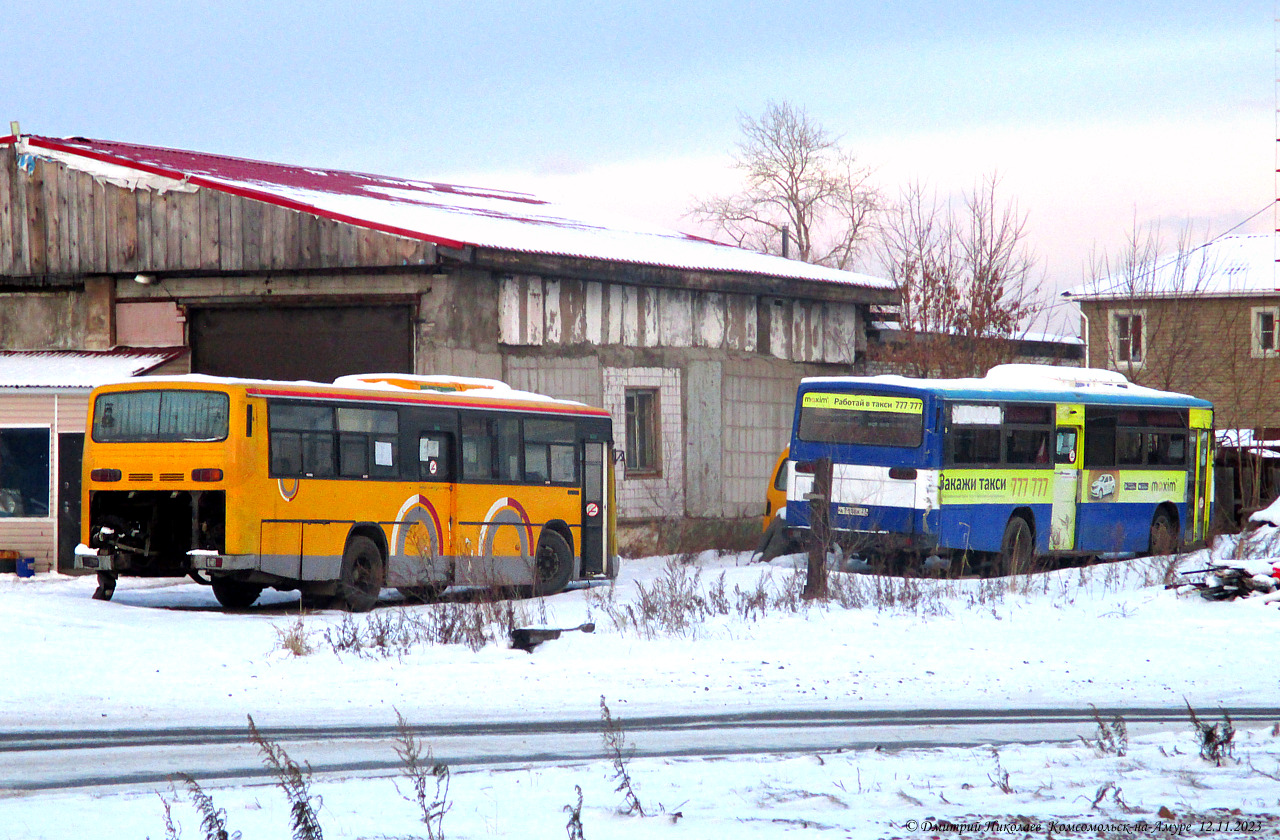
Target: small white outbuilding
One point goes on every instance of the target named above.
(44, 397)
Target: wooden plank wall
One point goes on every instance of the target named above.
(538, 311)
(55, 221)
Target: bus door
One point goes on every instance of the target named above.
(595, 505)
(1068, 453)
(437, 484)
(1200, 484)
(424, 539)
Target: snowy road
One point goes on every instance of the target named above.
(142, 758)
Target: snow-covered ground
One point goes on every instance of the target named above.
(1109, 635)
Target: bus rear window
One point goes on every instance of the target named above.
(861, 419)
(160, 416)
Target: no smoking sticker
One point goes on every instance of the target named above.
(593, 509)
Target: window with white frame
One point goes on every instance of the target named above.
(24, 472)
(643, 433)
(1128, 337)
(1265, 341)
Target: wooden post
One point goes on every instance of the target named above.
(815, 584)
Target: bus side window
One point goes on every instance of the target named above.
(433, 456)
(506, 433)
(477, 449)
(979, 445)
(1027, 446)
(1128, 447)
(286, 453)
(550, 454)
(1099, 442)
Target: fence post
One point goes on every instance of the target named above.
(815, 584)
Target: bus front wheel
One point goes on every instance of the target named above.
(1017, 548)
(361, 580)
(553, 564)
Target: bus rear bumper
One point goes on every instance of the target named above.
(95, 559)
(211, 561)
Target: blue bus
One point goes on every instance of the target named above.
(1028, 461)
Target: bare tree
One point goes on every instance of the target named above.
(1155, 310)
(966, 280)
(1176, 319)
(800, 184)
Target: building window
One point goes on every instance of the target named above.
(1128, 337)
(24, 473)
(1265, 341)
(643, 443)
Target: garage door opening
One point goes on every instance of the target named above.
(315, 343)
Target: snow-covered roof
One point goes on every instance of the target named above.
(1041, 337)
(76, 368)
(1248, 439)
(445, 214)
(1238, 264)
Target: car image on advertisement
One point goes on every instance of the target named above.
(1103, 486)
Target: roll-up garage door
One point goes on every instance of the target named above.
(313, 342)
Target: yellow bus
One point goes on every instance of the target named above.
(337, 491)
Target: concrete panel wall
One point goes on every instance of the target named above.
(570, 379)
(704, 445)
(758, 403)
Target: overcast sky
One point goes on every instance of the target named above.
(1094, 113)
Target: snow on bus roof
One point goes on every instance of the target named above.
(484, 389)
(1025, 379)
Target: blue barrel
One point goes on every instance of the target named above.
(26, 566)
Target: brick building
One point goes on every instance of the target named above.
(1205, 322)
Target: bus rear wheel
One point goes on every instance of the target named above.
(1164, 534)
(553, 564)
(235, 594)
(361, 579)
(1016, 548)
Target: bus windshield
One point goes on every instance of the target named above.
(159, 416)
(863, 419)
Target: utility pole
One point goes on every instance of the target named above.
(815, 583)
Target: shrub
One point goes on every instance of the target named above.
(1215, 739)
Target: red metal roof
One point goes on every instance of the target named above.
(446, 214)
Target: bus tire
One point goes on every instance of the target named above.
(1017, 548)
(235, 594)
(1164, 534)
(360, 582)
(775, 542)
(553, 564)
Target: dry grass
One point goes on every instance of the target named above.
(295, 639)
(396, 632)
